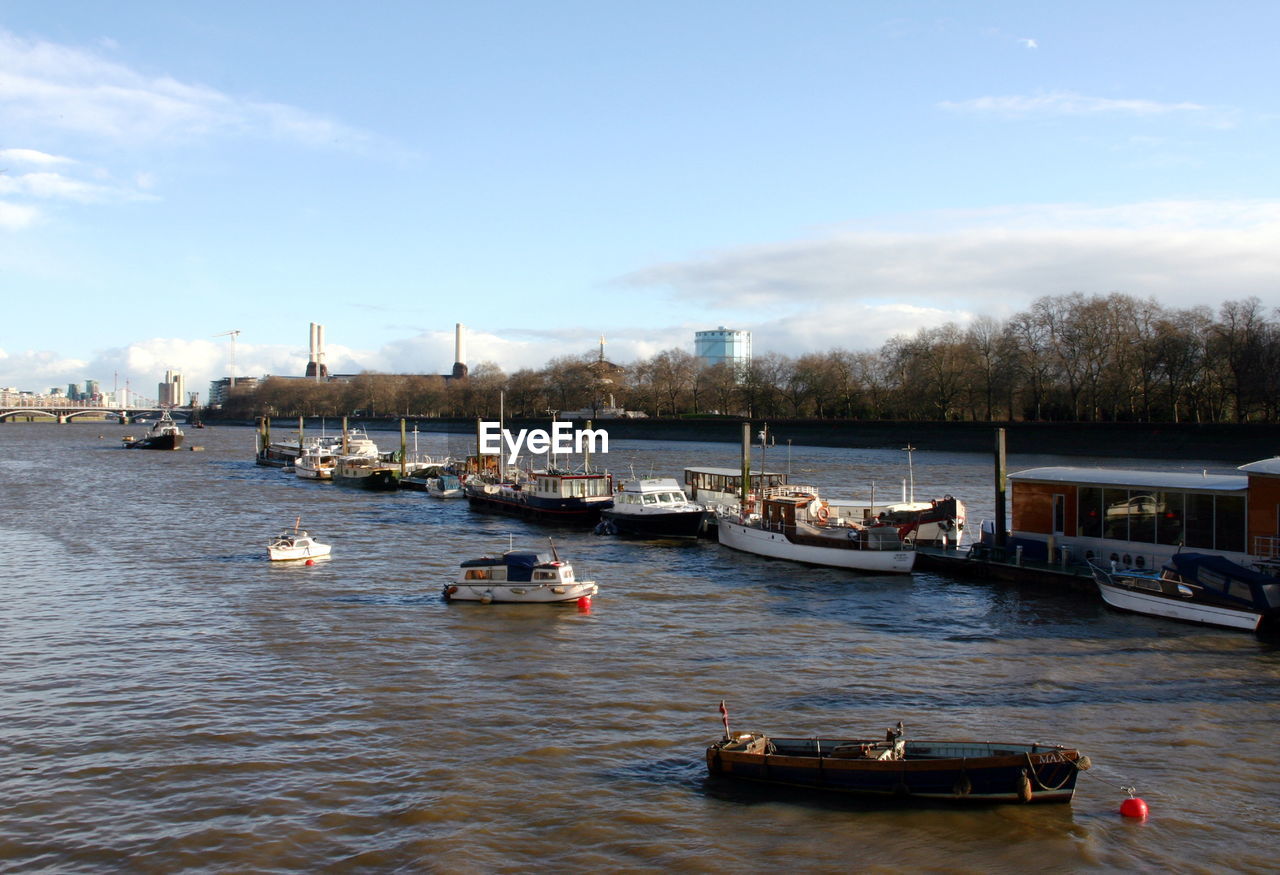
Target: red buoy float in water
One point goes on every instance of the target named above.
(584, 604)
(1134, 807)
(311, 562)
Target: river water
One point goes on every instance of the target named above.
(172, 700)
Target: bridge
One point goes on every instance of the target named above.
(66, 411)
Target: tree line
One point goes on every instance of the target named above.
(1098, 358)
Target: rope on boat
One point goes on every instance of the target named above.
(1031, 768)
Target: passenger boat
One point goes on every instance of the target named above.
(795, 523)
(550, 496)
(900, 769)
(518, 576)
(652, 508)
(164, 434)
(1197, 588)
(378, 473)
(721, 488)
(295, 544)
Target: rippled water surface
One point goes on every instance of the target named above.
(172, 700)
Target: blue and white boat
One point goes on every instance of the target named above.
(1196, 588)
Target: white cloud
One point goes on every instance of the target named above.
(31, 156)
(56, 87)
(866, 286)
(1067, 103)
(16, 216)
(1029, 43)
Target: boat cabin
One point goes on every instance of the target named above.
(1140, 519)
(652, 492)
(548, 484)
(723, 486)
(517, 565)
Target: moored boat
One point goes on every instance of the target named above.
(551, 496)
(652, 508)
(295, 543)
(164, 434)
(794, 523)
(901, 769)
(518, 576)
(1196, 588)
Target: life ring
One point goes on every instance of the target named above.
(822, 513)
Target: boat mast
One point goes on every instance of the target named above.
(911, 471)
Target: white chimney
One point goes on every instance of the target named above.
(319, 346)
(458, 349)
(311, 357)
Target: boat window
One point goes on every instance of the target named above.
(477, 574)
(1116, 525)
(1199, 520)
(1240, 591)
(1271, 594)
(1169, 517)
(544, 575)
(1228, 523)
(651, 499)
(1089, 512)
(1142, 517)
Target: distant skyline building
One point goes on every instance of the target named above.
(316, 368)
(92, 389)
(723, 345)
(172, 391)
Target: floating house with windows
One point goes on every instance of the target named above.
(1065, 515)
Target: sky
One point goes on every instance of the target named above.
(826, 175)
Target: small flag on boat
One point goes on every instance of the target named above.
(724, 716)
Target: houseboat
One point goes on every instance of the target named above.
(1140, 519)
(721, 488)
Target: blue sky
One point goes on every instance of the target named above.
(824, 174)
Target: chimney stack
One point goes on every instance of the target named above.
(459, 357)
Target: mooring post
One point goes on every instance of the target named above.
(1001, 480)
(746, 463)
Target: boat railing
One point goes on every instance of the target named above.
(1266, 546)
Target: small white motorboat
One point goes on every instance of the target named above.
(518, 576)
(295, 544)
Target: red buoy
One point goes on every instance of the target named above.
(584, 604)
(311, 562)
(1134, 807)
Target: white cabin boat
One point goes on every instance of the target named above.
(295, 544)
(518, 576)
(799, 526)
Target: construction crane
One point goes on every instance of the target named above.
(233, 334)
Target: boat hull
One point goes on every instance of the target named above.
(286, 554)
(567, 511)
(953, 772)
(1172, 608)
(374, 479)
(163, 442)
(776, 545)
(682, 524)
(496, 592)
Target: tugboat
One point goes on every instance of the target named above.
(163, 435)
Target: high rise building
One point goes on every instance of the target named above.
(723, 345)
(171, 392)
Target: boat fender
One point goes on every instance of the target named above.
(1084, 764)
(486, 597)
(962, 786)
(1024, 788)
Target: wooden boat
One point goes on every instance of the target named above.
(896, 768)
(294, 544)
(652, 508)
(518, 576)
(164, 434)
(1197, 588)
(797, 525)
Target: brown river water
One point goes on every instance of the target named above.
(173, 701)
